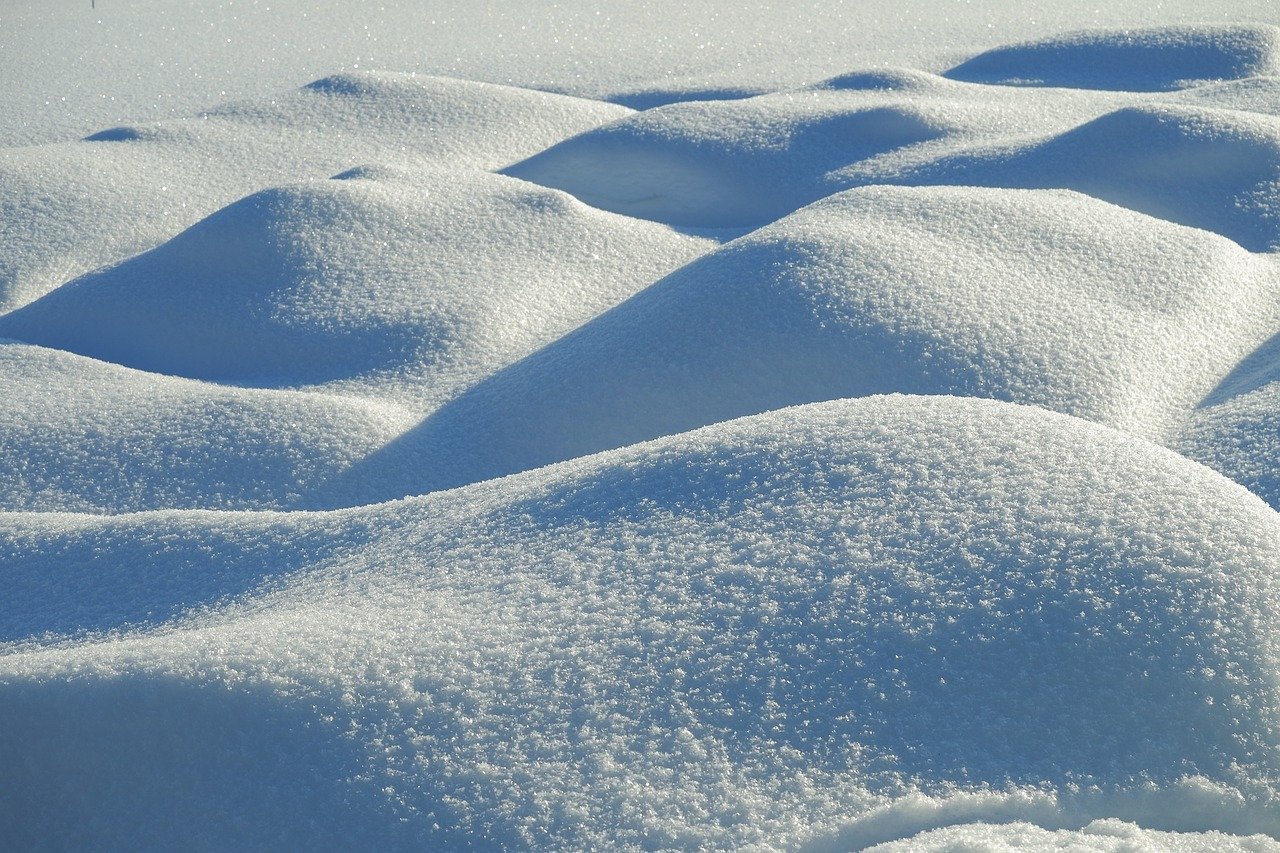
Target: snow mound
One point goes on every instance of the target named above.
(1256, 95)
(465, 123)
(726, 163)
(406, 285)
(1208, 168)
(1043, 297)
(743, 163)
(1143, 60)
(762, 632)
(68, 208)
(81, 435)
(1101, 836)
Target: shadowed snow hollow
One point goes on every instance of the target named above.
(1192, 156)
(1241, 438)
(1050, 298)
(725, 163)
(853, 620)
(748, 162)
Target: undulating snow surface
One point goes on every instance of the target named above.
(813, 449)
(760, 631)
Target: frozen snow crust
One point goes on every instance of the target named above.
(403, 462)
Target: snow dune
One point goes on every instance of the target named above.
(747, 162)
(399, 462)
(1141, 60)
(1208, 168)
(68, 208)
(392, 284)
(85, 436)
(1049, 298)
(765, 631)
(723, 163)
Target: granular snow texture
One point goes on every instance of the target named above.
(707, 437)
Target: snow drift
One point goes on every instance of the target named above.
(68, 208)
(760, 632)
(1048, 298)
(1144, 59)
(404, 286)
(677, 565)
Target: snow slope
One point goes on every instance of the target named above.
(1240, 438)
(407, 285)
(837, 430)
(1104, 836)
(746, 162)
(87, 436)
(765, 631)
(1142, 60)
(71, 207)
(1049, 298)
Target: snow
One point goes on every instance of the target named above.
(744, 634)
(1204, 167)
(720, 426)
(89, 436)
(1240, 438)
(406, 285)
(1104, 836)
(1051, 298)
(1143, 60)
(74, 206)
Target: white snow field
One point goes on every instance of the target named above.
(695, 426)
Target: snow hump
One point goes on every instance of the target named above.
(1141, 60)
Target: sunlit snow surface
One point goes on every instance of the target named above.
(892, 458)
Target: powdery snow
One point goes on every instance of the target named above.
(766, 631)
(816, 430)
(1103, 836)
(70, 207)
(83, 435)
(1240, 438)
(1140, 60)
(387, 283)
(1051, 298)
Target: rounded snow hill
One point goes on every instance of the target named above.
(843, 622)
(69, 208)
(78, 435)
(403, 285)
(1215, 169)
(393, 116)
(725, 163)
(746, 162)
(1044, 297)
(1141, 60)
